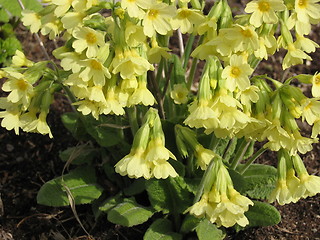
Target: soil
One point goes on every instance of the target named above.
(29, 160)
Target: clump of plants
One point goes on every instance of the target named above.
(166, 135)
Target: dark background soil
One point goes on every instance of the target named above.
(29, 160)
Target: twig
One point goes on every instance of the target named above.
(181, 45)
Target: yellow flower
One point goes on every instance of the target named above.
(130, 64)
(201, 115)
(134, 165)
(112, 104)
(141, 95)
(83, 5)
(86, 107)
(201, 208)
(19, 60)
(310, 185)
(51, 25)
(32, 19)
(305, 44)
(133, 7)
(20, 91)
(281, 193)
(240, 38)
(316, 85)
(95, 70)
(310, 110)
(179, 94)
(263, 11)
(62, 6)
(30, 122)
(236, 74)
(157, 18)
(186, 19)
(11, 115)
(307, 10)
(87, 38)
(203, 156)
(72, 19)
(294, 56)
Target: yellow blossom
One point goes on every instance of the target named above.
(237, 74)
(87, 38)
(157, 18)
(186, 19)
(179, 94)
(19, 60)
(316, 85)
(263, 11)
(62, 6)
(32, 19)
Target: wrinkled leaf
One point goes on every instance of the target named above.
(209, 231)
(78, 155)
(161, 229)
(14, 8)
(169, 195)
(259, 181)
(129, 213)
(262, 214)
(189, 224)
(81, 182)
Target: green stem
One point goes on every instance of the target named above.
(187, 50)
(203, 182)
(227, 149)
(252, 159)
(133, 121)
(192, 72)
(240, 153)
(190, 165)
(214, 142)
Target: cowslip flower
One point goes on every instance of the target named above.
(130, 64)
(133, 7)
(62, 6)
(95, 70)
(87, 38)
(203, 156)
(294, 56)
(32, 19)
(179, 94)
(222, 204)
(141, 95)
(157, 18)
(307, 10)
(31, 122)
(263, 11)
(315, 89)
(186, 19)
(19, 60)
(11, 115)
(237, 74)
(20, 90)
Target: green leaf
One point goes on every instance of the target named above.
(209, 231)
(189, 224)
(72, 122)
(138, 186)
(102, 130)
(79, 155)
(238, 180)
(259, 180)
(111, 202)
(35, 72)
(129, 213)
(81, 182)
(14, 8)
(161, 229)
(262, 214)
(4, 17)
(169, 195)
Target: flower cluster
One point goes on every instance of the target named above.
(294, 182)
(148, 156)
(222, 204)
